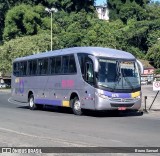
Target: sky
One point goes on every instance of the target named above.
(101, 2)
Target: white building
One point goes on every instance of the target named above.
(103, 12)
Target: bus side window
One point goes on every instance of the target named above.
(43, 66)
(52, 65)
(32, 67)
(40, 63)
(72, 65)
(81, 58)
(65, 64)
(86, 66)
(89, 72)
(23, 68)
(29, 67)
(58, 65)
(16, 70)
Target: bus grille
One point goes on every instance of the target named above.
(122, 100)
(122, 105)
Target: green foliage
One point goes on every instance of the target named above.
(133, 27)
(157, 71)
(24, 46)
(153, 36)
(74, 5)
(154, 54)
(23, 20)
(126, 9)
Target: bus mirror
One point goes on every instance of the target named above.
(95, 62)
(140, 65)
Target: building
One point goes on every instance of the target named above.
(148, 75)
(5, 78)
(103, 12)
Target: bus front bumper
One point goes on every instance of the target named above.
(117, 104)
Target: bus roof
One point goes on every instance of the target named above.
(96, 51)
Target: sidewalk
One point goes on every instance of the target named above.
(5, 90)
(147, 90)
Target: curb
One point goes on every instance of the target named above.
(5, 90)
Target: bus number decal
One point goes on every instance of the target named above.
(115, 95)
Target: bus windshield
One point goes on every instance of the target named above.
(118, 74)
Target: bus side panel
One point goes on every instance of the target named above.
(19, 90)
(51, 93)
(39, 85)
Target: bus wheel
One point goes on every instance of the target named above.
(32, 105)
(76, 106)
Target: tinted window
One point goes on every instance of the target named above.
(82, 59)
(58, 65)
(23, 68)
(32, 67)
(65, 64)
(16, 68)
(52, 65)
(42, 66)
(89, 72)
(72, 65)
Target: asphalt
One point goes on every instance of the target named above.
(21, 127)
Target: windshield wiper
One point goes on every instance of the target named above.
(105, 86)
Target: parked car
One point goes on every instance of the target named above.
(8, 85)
(144, 82)
(3, 85)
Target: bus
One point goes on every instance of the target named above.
(90, 78)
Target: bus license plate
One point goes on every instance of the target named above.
(121, 108)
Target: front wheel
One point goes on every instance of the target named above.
(76, 106)
(32, 105)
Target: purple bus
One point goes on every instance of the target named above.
(92, 78)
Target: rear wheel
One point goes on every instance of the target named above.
(32, 105)
(76, 106)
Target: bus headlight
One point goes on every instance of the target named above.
(138, 97)
(102, 96)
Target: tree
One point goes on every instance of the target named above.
(75, 5)
(23, 20)
(24, 46)
(153, 54)
(125, 9)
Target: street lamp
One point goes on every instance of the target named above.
(51, 10)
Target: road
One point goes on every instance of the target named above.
(51, 127)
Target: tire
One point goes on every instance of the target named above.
(32, 105)
(76, 106)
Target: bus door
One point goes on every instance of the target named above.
(89, 89)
